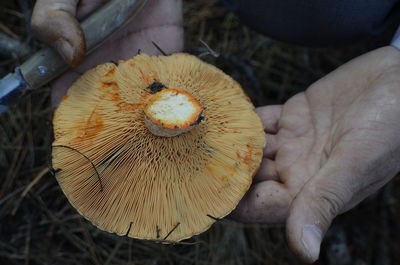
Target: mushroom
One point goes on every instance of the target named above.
(156, 147)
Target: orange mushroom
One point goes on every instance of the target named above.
(158, 147)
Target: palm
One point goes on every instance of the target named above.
(342, 119)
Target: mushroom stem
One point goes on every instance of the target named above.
(171, 112)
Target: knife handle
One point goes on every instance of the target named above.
(47, 64)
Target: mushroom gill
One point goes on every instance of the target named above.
(148, 186)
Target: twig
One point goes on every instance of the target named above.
(27, 12)
(8, 31)
(113, 252)
(158, 230)
(89, 240)
(214, 218)
(28, 188)
(170, 232)
(209, 50)
(189, 243)
(12, 48)
(38, 177)
(87, 158)
(159, 49)
(382, 253)
(246, 70)
(10, 195)
(28, 243)
(15, 166)
(129, 229)
(12, 12)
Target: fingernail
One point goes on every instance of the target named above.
(311, 238)
(65, 49)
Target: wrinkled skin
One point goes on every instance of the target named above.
(328, 147)
(55, 23)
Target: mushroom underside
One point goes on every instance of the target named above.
(146, 186)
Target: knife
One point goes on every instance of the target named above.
(46, 64)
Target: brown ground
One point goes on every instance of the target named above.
(38, 226)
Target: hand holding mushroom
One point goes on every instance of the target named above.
(55, 22)
(327, 149)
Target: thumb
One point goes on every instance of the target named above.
(356, 170)
(54, 22)
(320, 200)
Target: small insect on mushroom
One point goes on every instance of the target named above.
(174, 142)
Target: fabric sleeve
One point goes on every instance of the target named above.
(396, 39)
(318, 23)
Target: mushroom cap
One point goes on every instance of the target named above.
(126, 180)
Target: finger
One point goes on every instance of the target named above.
(159, 21)
(266, 202)
(312, 212)
(346, 179)
(271, 146)
(54, 22)
(270, 117)
(267, 171)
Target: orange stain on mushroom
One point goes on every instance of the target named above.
(247, 157)
(209, 169)
(115, 97)
(147, 76)
(110, 84)
(93, 126)
(59, 134)
(234, 169)
(238, 154)
(111, 72)
(223, 178)
(111, 91)
(250, 149)
(108, 87)
(64, 97)
(224, 186)
(123, 106)
(247, 98)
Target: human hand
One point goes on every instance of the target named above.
(328, 149)
(55, 22)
